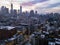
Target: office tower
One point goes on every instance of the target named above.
(35, 12)
(32, 13)
(2, 8)
(6, 10)
(15, 12)
(11, 8)
(20, 9)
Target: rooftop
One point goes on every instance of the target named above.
(7, 27)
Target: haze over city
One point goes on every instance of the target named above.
(42, 6)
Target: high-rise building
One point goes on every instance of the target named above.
(11, 8)
(35, 12)
(15, 12)
(20, 9)
(4, 10)
(32, 13)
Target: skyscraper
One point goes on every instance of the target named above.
(2, 9)
(15, 12)
(20, 9)
(35, 12)
(11, 8)
(32, 13)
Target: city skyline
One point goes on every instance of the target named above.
(42, 6)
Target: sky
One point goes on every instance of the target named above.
(42, 6)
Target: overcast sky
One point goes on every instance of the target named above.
(42, 6)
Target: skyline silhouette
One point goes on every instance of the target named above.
(42, 6)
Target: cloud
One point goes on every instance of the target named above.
(48, 6)
(53, 5)
(30, 3)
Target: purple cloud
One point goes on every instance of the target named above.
(49, 6)
(53, 5)
(33, 2)
(38, 1)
